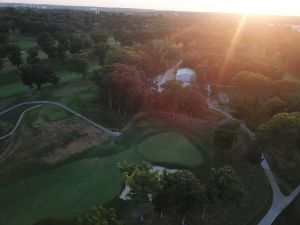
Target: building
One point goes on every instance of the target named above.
(185, 75)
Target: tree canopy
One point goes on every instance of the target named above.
(99, 216)
(37, 74)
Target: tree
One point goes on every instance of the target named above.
(115, 55)
(98, 35)
(14, 55)
(1, 64)
(172, 95)
(193, 102)
(253, 83)
(122, 87)
(78, 63)
(226, 134)
(37, 74)
(279, 137)
(46, 41)
(142, 181)
(225, 185)
(100, 50)
(181, 191)
(275, 105)
(99, 216)
(3, 37)
(32, 57)
(282, 130)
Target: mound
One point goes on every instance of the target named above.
(171, 148)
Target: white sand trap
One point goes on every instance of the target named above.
(158, 169)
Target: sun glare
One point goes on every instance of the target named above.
(275, 7)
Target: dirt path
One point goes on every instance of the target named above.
(61, 106)
(280, 201)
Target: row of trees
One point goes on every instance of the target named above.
(279, 137)
(260, 98)
(123, 89)
(180, 192)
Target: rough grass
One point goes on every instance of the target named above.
(171, 148)
(58, 114)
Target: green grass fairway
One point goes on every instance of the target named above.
(171, 148)
(63, 192)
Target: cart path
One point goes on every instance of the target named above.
(56, 104)
(280, 201)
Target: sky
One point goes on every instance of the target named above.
(276, 7)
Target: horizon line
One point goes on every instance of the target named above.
(153, 9)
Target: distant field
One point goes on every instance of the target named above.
(12, 84)
(10, 81)
(172, 148)
(291, 77)
(112, 42)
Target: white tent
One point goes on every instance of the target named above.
(185, 75)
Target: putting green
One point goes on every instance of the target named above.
(171, 148)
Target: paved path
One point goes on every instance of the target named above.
(61, 106)
(18, 122)
(280, 201)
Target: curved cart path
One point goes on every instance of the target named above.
(56, 104)
(18, 122)
(280, 201)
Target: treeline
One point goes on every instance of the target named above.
(259, 98)
(224, 47)
(181, 192)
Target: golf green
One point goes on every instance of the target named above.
(171, 148)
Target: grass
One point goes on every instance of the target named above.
(64, 192)
(290, 215)
(112, 42)
(58, 114)
(171, 148)
(11, 83)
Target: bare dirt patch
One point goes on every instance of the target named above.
(52, 142)
(82, 137)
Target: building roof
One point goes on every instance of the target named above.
(185, 75)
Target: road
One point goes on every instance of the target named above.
(59, 105)
(280, 201)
